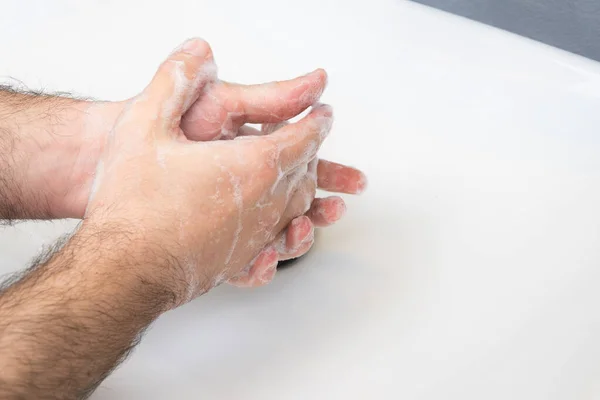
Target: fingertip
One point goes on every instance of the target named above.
(264, 268)
(332, 209)
(299, 230)
(322, 114)
(301, 250)
(322, 110)
(322, 76)
(197, 47)
(301, 226)
(317, 82)
(268, 275)
(266, 257)
(361, 183)
(179, 80)
(327, 211)
(334, 177)
(338, 209)
(260, 271)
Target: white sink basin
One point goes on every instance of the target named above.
(469, 270)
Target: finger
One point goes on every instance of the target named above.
(179, 80)
(299, 142)
(261, 271)
(300, 194)
(302, 250)
(335, 177)
(296, 239)
(225, 107)
(273, 101)
(267, 129)
(311, 172)
(297, 192)
(332, 177)
(327, 211)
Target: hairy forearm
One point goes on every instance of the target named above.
(45, 146)
(68, 322)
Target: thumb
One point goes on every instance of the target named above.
(232, 105)
(276, 101)
(179, 80)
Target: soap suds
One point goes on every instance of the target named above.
(239, 203)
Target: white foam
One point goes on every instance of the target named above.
(239, 203)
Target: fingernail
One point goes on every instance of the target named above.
(194, 46)
(326, 109)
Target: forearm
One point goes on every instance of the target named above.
(65, 325)
(42, 161)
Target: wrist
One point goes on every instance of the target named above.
(65, 172)
(127, 265)
(141, 265)
(49, 147)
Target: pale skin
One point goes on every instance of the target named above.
(54, 156)
(169, 211)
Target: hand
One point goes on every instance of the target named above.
(167, 218)
(55, 144)
(298, 238)
(222, 112)
(206, 209)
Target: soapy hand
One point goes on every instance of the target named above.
(298, 238)
(64, 172)
(223, 111)
(208, 210)
(221, 114)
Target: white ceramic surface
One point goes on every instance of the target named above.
(471, 267)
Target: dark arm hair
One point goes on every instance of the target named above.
(43, 138)
(28, 120)
(76, 313)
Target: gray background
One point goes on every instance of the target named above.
(573, 25)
